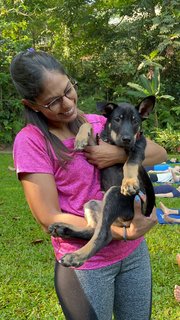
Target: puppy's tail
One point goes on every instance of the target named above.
(149, 191)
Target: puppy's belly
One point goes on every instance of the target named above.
(111, 176)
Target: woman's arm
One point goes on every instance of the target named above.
(42, 197)
(105, 154)
(154, 153)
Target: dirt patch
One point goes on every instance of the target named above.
(5, 148)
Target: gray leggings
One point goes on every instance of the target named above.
(122, 289)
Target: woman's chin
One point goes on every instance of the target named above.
(69, 116)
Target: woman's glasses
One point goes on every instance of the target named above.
(58, 100)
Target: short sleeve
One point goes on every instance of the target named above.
(30, 152)
(98, 122)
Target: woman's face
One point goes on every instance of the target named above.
(58, 102)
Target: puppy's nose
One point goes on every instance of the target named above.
(126, 139)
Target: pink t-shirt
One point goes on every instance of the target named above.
(77, 183)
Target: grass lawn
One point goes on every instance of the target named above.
(26, 264)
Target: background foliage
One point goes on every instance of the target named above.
(104, 44)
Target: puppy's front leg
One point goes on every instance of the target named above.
(130, 183)
(84, 137)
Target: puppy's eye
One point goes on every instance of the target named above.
(117, 119)
(134, 119)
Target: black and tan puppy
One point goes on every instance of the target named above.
(119, 182)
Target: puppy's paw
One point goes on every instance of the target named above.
(83, 136)
(71, 260)
(59, 230)
(130, 186)
(81, 142)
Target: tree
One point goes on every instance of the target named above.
(100, 42)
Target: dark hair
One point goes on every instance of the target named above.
(27, 72)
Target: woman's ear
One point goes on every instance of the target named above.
(27, 103)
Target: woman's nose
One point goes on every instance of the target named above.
(66, 103)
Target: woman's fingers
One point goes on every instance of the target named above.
(153, 216)
(137, 206)
(138, 209)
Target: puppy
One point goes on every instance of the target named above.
(119, 182)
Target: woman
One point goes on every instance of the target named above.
(58, 181)
(166, 176)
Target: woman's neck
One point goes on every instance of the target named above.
(62, 132)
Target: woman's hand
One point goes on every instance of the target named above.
(138, 226)
(140, 223)
(105, 155)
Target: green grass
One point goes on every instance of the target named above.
(27, 269)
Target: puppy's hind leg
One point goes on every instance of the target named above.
(101, 237)
(66, 230)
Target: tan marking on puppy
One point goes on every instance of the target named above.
(84, 251)
(135, 137)
(92, 210)
(130, 170)
(130, 186)
(130, 183)
(78, 257)
(89, 214)
(85, 130)
(84, 137)
(113, 136)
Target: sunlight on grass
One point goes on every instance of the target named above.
(27, 269)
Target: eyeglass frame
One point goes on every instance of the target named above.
(48, 105)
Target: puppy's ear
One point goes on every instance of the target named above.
(106, 107)
(146, 106)
(100, 105)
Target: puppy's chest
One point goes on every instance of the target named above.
(111, 176)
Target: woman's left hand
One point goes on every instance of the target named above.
(141, 224)
(138, 227)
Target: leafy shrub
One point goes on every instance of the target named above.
(11, 120)
(168, 138)
(88, 104)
